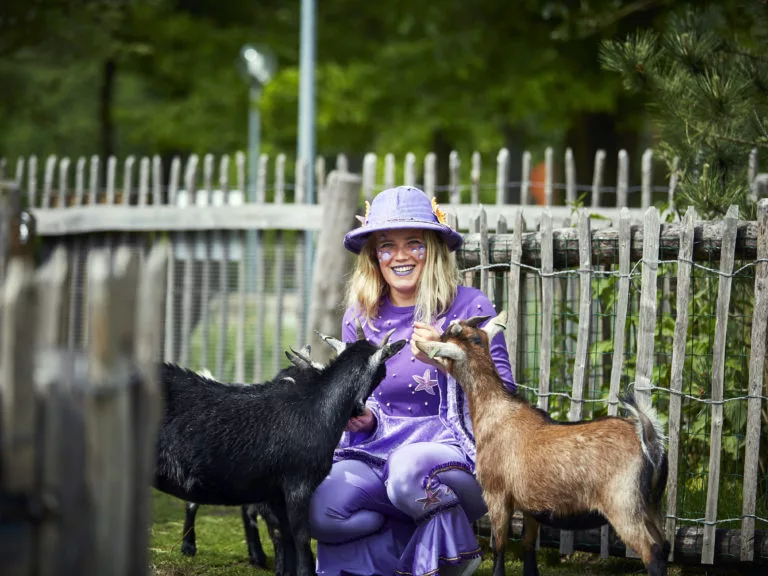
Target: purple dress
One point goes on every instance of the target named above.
(401, 499)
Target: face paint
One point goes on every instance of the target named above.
(401, 256)
(384, 255)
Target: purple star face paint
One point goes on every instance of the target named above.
(401, 255)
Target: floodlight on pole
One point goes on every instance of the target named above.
(258, 65)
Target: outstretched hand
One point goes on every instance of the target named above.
(425, 333)
(363, 423)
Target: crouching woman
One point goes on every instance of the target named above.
(402, 495)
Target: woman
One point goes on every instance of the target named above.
(401, 495)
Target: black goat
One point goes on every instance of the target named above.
(234, 445)
(302, 367)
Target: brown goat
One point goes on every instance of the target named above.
(557, 473)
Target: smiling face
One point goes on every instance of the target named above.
(401, 255)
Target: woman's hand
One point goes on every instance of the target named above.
(425, 333)
(363, 423)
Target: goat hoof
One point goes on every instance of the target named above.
(259, 561)
(188, 549)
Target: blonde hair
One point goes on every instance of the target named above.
(437, 288)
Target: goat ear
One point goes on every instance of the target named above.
(334, 343)
(496, 325)
(475, 321)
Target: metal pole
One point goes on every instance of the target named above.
(306, 143)
(254, 135)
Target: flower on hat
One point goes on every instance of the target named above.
(364, 219)
(439, 214)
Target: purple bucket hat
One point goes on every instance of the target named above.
(401, 207)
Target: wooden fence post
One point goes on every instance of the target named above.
(332, 262)
(756, 374)
(718, 373)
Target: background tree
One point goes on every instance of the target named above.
(705, 79)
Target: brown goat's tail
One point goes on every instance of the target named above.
(649, 429)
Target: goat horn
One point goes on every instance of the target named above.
(297, 359)
(334, 343)
(359, 329)
(386, 338)
(454, 329)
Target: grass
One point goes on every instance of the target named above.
(221, 548)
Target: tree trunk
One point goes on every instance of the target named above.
(106, 122)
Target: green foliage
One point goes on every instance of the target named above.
(705, 81)
(392, 76)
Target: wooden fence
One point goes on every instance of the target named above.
(599, 298)
(78, 425)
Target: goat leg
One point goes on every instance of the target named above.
(499, 515)
(530, 533)
(256, 555)
(297, 508)
(188, 543)
(282, 543)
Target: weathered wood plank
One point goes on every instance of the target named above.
(502, 176)
(570, 178)
(32, 182)
(514, 295)
(646, 190)
(581, 357)
(525, 180)
(328, 276)
(389, 170)
(684, 270)
(646, 327)
(718, 373)
(223, 239)
(50, 167)
(756, 372)
(454, 178)
(169, 338)
(204, 239)
(482, 223)
(188, 241)
(105, 218)
(147, 400)
(63, 182)
(112, 298)
(430, 174)
(474, 174)
(241, 282)
(597, 178)
(619, 332)
(369, 176)
(547, 306)
(409, 169)
(622, 180)
(549, 170)
(17, 364)
(279, 272)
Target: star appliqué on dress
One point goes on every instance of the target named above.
(430, 498)
(425, 382)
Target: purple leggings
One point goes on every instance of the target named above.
(356, 501)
